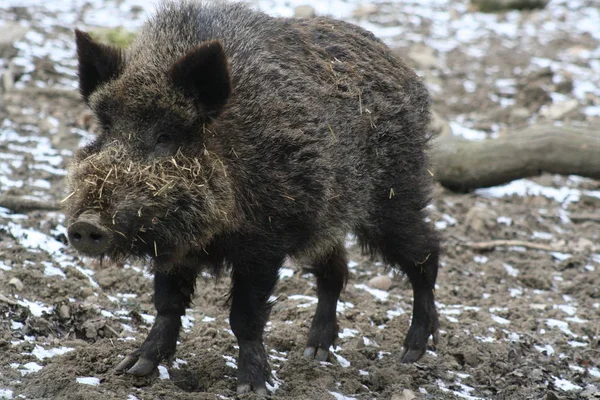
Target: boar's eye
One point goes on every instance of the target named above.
(164, 140)
(165, 146)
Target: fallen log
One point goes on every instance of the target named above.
(462, 165)
(23, 204)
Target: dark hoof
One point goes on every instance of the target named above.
(413, 349)
(142, 367)
(133, 364)
(321, 337)
(245, 388)
(411, 355)
(253, 369)
(318, 354)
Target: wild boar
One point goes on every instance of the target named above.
(231, 140)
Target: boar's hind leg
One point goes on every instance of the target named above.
(172, 295)
(252, 285)
(331, 273)
(405, 240)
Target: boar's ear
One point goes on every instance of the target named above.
(203, 74)
(98, 63)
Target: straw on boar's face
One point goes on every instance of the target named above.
(148, 186)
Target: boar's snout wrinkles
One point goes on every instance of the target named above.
(231, 140)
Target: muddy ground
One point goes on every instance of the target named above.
(516, 323)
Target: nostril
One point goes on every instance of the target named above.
(76, 236)
(96, 237)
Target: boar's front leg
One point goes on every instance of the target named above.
(172, 295)
(252, 285)
(332, 274)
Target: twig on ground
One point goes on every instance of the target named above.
(492, 244)
(21, 204)
(582, 217)
(7, 300)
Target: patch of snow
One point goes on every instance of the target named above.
(545, 348)
(525, 187)
(30, 367)
(395, 313)
(36, 308)
(576, 320)
(341, 360)
(481, 259)
(149, 319)
(88, 380)
(504, 220)
(339, 396)
(562, 325)
(510, 270)
(515, 292)
(310, 300)
(513, 337)
(285, 273)
(467, 133)
(499, 319)
(570, 310)
(342, 306)
(16, 325)
(187, 322)
(348, 333)
(380, 295)
(51, 270)
(230, 361)
(542, 235)
(565, 385)
(163, 374)
(40, 353)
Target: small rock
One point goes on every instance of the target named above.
(305, 12)
(478, 219)
(48, 125)
(588, 200)
(10, 32)
(92, 326)
(16, 282)
(518, 114)
(405, 395)
(365, 10)
(424, 57)
(583, 245)
(551, 396)
(8, 80)
(86, 291)
(533, 96)
(382, 282)
(559, 110)
(64, 311)
(565, 86)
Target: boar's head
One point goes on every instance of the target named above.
(152, 183)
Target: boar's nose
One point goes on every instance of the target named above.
(88, 235)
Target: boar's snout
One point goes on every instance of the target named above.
(88, 235)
